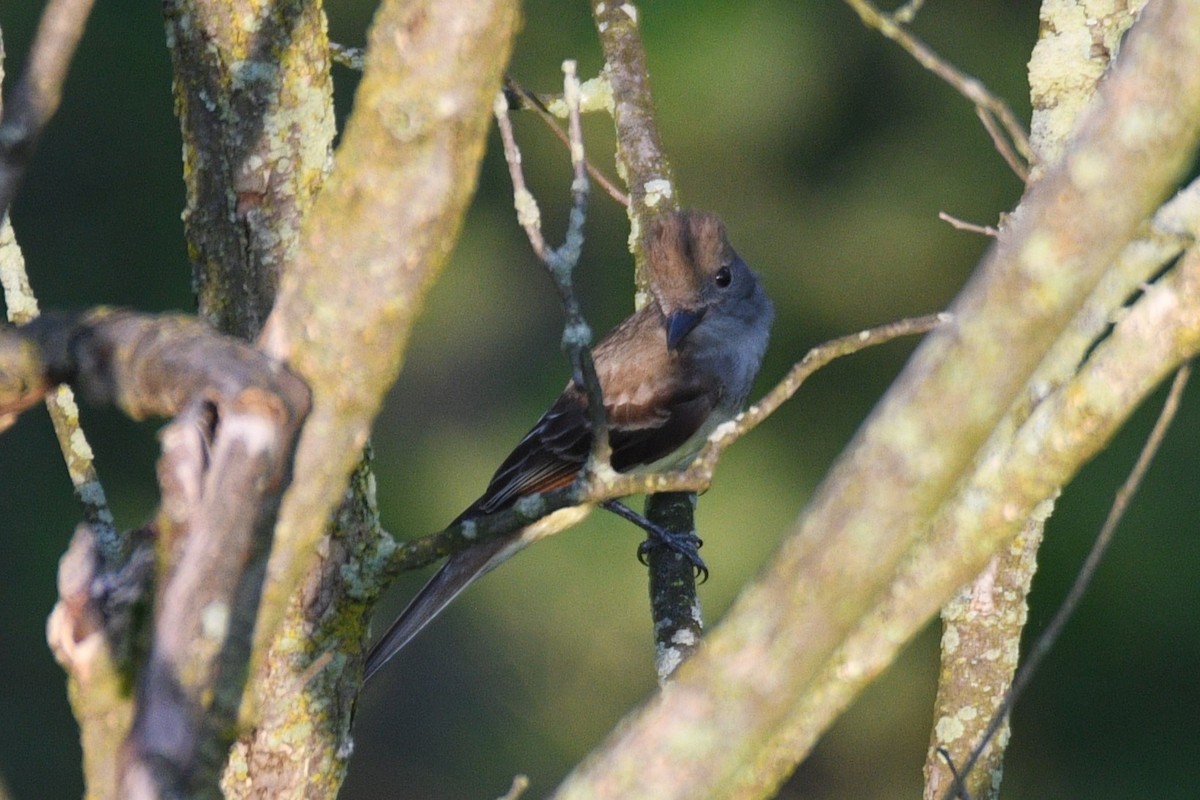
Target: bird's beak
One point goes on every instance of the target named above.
(680, 323)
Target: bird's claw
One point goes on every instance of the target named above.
(685, 543)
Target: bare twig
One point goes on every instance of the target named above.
(561, 262)
(22, 306)
(226, 462)
(37, 94)
(1049, 637)
(814, 360)
(963, 225)
(1002, 144)
(694, 477)
(527, 100)
(998, 119)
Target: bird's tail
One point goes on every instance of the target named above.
(459, 572)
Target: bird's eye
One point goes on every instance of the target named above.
(723, 278)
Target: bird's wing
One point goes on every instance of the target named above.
(653, 398)
(653, 407)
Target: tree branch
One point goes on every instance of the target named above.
(226, 462)
(971, 689)
(255, 104)
(902, 466)
(37, 95)
(989, 739)
(377, 235)
(22, 306)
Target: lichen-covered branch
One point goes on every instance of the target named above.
(255, 104)
(694, 477)
(959, 722)
(227, 460)
(973, 688)
(1008, 135)
(1077, 41)
(981, 633)
(711, 724)
(641, 161)
(377, 235)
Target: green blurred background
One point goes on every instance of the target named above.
(830, 154)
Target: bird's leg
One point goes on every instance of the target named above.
(685, 543)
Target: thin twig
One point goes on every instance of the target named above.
(529, 215)
(816, 358)
(37, 94)
(1002, 144)
(963, 225)
(1049, 637)
(994, 112)
(529, 101)
(906, 13)
(21, 306)
(561, 262)
(695, 477)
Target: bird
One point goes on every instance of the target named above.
(669, 375)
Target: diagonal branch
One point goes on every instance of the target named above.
(1007, 132)
(226, 462)
(694, 477)
(37, 94)
(981, 753)
(901, 469)
(22, 306)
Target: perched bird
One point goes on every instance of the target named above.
(669, 374)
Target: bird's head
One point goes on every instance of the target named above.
(692, 270)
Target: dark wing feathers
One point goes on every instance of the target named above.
(652, 405)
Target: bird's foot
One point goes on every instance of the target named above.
(685, 543)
